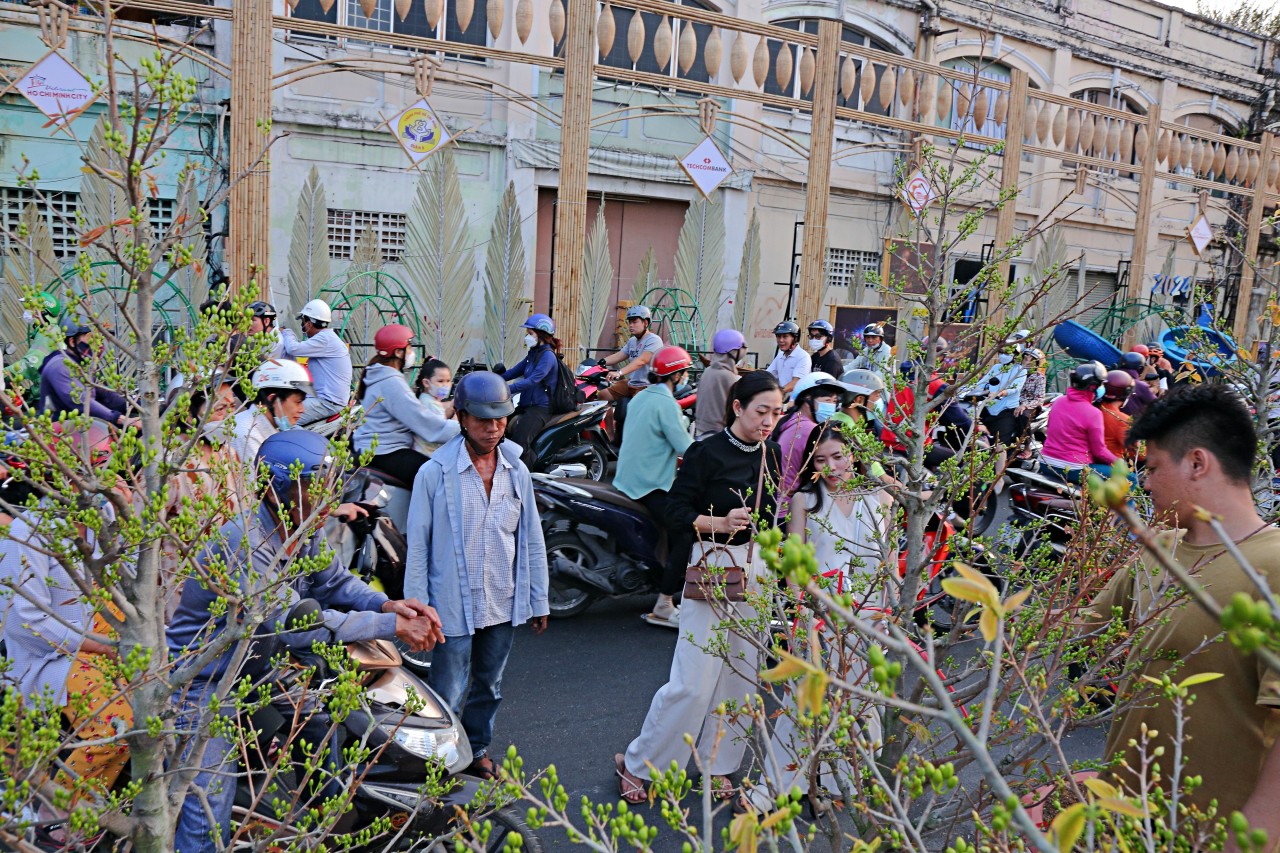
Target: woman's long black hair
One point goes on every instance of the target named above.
(811, 477)
(747, 389)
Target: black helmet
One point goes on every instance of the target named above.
(483, 395)
(262, 309)
(1118, 386)
(822, 326)
(786, 327)
(1133, 361)
(1088, 375)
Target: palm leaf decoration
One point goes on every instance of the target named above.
(102, 202)
(597, 284)
(748, 279)
(505, 272)
(857, 282)
(309, 248)
(700, 260)
(646, 277)
(31, 263)
(439, 262)
(193, 279)
(1049, 265)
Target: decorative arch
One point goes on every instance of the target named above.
(1129, 89)
(1037, 74)
(1211, 108)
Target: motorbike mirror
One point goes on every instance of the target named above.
(305, 614)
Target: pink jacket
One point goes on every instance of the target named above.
(1074, 433)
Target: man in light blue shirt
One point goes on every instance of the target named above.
(328, 360)
(655, 438)
(1003, 386)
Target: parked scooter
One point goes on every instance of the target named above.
(600, 543)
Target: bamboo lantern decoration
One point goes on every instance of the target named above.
(1175, 151)
(433, 8)
(403, 7)
(464, 9)
(1198, 160)
(1044, 124)
(368, 7)
(606, 29)
(1140, 140)
(1232, 164)
(1113, 138)
(1086, 134)
(1188, 152)
(1126, 144)
(713, 52)
(293, 5)
(760, 62)
(688, 46)
(1251, 173)
(1219, 160)
(1073, 131)
(494, 11)
(888, 84)
(964, 100)
(524, 20)
(1162, 147)
(1059, 125)
(1273, 172)
(1204, 157)
(943, 101)
(848, 78)
(738, 57)
(326, 5)
(555, 16)
(1001, 111)
(907, 88)
(783, 66)
(635, 37)
(928, 97)
(808, 68)
(980, 106)
(662, 43)
(867, 86)
(1029, 119)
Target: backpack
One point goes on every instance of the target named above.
(564, 392)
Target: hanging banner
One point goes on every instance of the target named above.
(1200, 233)
(918, 193)
(56, 88)
(419, 131)
(706, 166)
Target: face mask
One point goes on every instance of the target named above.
(83, 349)
(282, 423)
(28, 317)
(1097, 395)
(410, 358)
(440, 392)
(530, 341)
(680, 389)
(212, 432)
(816, 344)
(1004, 358)
(823, 410)
(879, 408)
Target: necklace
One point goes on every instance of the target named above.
(740, 444)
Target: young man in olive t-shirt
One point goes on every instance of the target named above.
(1200, 450)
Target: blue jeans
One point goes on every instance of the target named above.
(218, 781)
(479, 659)
(1074, 476)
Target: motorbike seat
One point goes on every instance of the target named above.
(559, 419)
(606, 493)
(388, 480)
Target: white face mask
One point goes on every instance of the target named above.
(410, 358)
(1004, 358)
(816, 344)
(530, 341)
(212, 431)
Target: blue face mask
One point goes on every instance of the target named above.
(680, 389)
(1097, 395)
(282, 423)
(823, 410)
(879, 408)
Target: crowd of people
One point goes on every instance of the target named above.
(800, 444)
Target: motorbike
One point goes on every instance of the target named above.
(1044, 510)
(600, 543)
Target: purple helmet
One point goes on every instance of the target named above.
(727, 340)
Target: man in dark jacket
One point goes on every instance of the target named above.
(534, 380)
(61, 391)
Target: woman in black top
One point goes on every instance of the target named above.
(714, 496)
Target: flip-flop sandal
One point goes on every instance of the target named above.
(630, 788)
(483, 768)
(654, 619)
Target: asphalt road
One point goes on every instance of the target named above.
(579, 693)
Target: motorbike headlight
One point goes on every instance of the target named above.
(432, 744)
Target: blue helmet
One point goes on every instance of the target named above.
(483, 395)
(294, 456)
(541, 323)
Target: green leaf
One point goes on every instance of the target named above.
(1067, 827)
(1199, 678)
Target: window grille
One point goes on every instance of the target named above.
(347, 226)
(59, 210)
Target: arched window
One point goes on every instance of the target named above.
(968, 124)
(619, 56)
(1186, 163)
(793, 89)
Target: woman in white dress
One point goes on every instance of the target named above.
(846, 515)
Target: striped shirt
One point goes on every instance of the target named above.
(489, 536)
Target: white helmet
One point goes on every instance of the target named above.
(283, 375)
(317, 310)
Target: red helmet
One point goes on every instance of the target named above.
(1119, 385)
(1140, 349)
(670, 360)
(391, 338)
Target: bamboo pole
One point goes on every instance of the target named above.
(817, 193)
(1248, 272)
(1142, 219)
(248, 243)
(1010, 172)
(571, 200)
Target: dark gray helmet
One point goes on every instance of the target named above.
(483, 395)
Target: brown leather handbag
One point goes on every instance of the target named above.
(724, 583)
